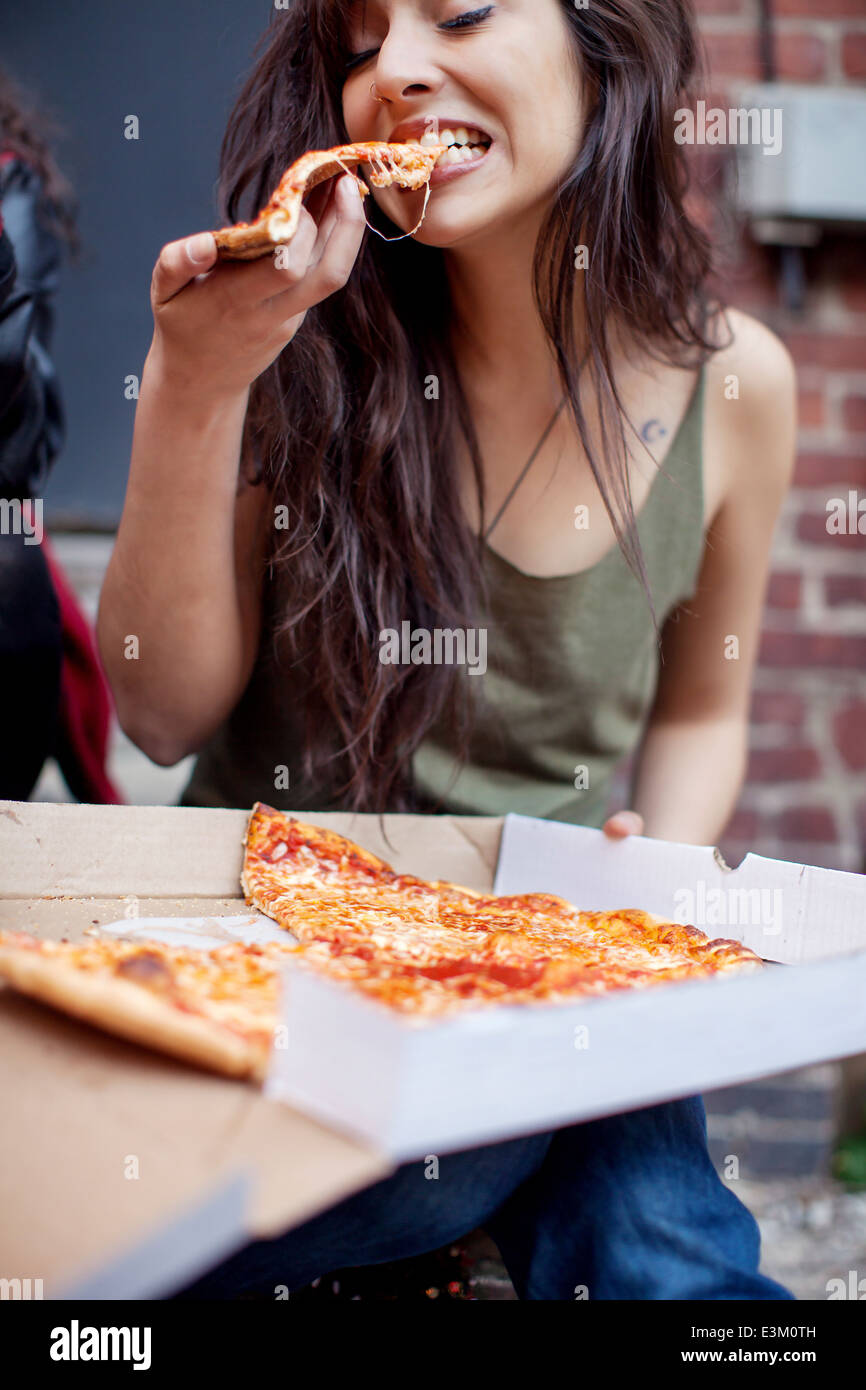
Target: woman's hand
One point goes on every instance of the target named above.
(220, 324)
(623, 823)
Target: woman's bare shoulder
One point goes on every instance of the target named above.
(751, 405)
(755, 356)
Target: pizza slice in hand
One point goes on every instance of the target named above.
(408, 166)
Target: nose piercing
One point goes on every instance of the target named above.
(373, 93)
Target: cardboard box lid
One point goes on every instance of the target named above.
(102, 1143)
(784, 911)
(80, 1107)
(51, 850)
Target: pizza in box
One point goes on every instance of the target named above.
(423, 949)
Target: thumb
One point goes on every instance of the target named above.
(623, 823)
(179, 262)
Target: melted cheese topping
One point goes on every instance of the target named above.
(430, 948)
(234, 986)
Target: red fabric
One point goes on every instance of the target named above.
(6, 157)
(84, 718)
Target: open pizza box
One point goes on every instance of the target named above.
(418, 1088)
(124, 1173)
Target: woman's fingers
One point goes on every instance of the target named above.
(339, 238)
(285, 283)
(623, 823)
(343, 204)
(293, 259)
(340, 251)
(237, 316)
(179, 262)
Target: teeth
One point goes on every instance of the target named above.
(461, 135)
(474, 136)
(446, 136)
(461, 154)
(430, 138)
(413, 141)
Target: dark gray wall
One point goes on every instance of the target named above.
(176, 64)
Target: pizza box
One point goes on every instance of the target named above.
(419, 1088)
(124, 1173)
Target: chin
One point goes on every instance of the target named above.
(451, 228)
(441, 237)
(452, 233)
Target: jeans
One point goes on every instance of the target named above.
(627, 1207)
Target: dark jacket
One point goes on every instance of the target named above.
(31, 412)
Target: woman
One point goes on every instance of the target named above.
(389, 409)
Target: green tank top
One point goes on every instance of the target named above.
(572, 666)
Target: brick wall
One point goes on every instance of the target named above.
(805, 797)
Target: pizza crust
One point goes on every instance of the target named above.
(134, 1013)
(722, 953)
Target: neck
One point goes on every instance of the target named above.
(499, 339)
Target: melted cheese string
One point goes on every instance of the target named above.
(378, 165)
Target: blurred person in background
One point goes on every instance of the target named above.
(54, 699)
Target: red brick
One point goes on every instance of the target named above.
(804, 823)
(849, 732)
(854, 413)
(811, 412)
(754, 275)
(854, 55)
(812, 528)
(778, 707)
(837, 351)
(830, 470)
(743, 826)
(734, 54)
(800, 650)
(840, 589)
(818, 9)
(784, 590)
(719, 6)
(853, 294)
(798, 764)
(841, 260)
(754, 294)
(801, 57)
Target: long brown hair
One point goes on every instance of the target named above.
(339, 427)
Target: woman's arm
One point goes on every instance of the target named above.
(180, 610)
(692, 759)
(180, 607)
